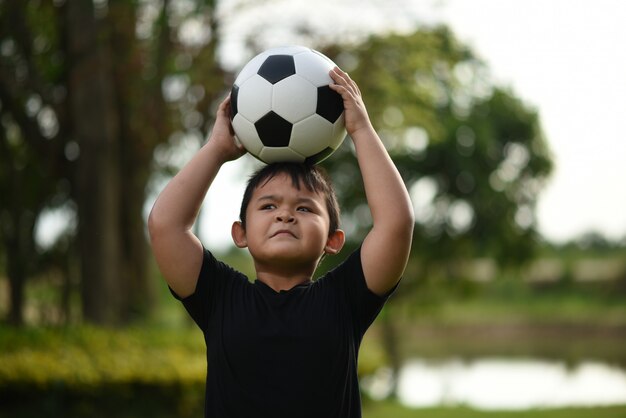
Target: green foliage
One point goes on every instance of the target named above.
(474, 146)
(94, 372)
(90, 357)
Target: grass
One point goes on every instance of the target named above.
(388, 409)
(509, 299)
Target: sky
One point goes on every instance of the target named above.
(565, 58)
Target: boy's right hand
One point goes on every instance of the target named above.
(222, 136)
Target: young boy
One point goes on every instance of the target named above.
(284, 346)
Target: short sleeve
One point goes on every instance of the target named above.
(364, 304)
(212, 281)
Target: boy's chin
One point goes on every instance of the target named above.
(287, 257)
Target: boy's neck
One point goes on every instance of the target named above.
(278, 282)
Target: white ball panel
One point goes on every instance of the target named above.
(246, 134)
(324, 57)
(273, 155)
(288, 50)
(307, 135)
(294, 98)
(254, 99)
(314, 67)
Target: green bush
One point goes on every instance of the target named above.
(90, 372)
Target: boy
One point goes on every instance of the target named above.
(285, 346)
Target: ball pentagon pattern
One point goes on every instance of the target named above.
(282, 108)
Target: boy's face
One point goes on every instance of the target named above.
(286, 225)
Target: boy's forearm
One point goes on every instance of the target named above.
(385, 249)
(386, 193)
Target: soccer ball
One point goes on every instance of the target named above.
(282, 108)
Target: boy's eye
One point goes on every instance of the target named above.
(268, 206)
(304, 209)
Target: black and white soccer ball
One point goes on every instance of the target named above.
(282, 108)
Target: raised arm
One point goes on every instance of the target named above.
(386, 247)
(177, 250)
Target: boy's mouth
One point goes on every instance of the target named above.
(283, 232)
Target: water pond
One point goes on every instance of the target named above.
(495, 383)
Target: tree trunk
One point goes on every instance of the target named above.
(96, 130)
(139, 292)
(139, 128)
(17, 279)
(21, 257)
(17, 225)
(392, 349)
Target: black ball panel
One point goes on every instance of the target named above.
(273, 130)
(329, 104)
(233, 101)
(277, 67)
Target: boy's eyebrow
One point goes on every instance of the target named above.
(268, 197)
(306, 200)
(301, 199)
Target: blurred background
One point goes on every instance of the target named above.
(505, 120)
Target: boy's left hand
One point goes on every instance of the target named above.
(223, 136)
(356, 116)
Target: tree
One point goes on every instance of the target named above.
(471, 153)
(31, 155)
(116, 80)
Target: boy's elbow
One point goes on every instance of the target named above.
(410, 218)
(404, 225)
(155, 224)
(407, 227)
(161, 225)
(406, 219)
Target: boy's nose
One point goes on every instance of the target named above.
(285, 217)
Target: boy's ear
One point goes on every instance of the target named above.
(239, 235)
(335, 242)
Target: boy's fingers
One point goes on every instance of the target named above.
(336, 73)
(343, 75)
(343, 79)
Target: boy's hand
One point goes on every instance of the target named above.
(356, 116)
(223, 137)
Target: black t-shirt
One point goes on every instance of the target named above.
(287, 354)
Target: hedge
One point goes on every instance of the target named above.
(91, 372)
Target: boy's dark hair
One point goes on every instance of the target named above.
(313, 177)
